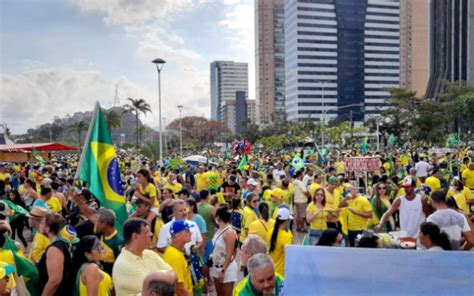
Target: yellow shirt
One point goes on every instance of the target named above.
(359, 204)
(4, 176)
(175, 188)
(469, 176)
(7, 258)
(433, 182)
(54, 205)
(462, 199)
(38, 247)
(248, 216)
(319, 222)
(201, 181)
(313, 187)
(278, 255)
(150, 192)
(332, 202)
(261, 227)
(175, 258)
(105, 286)
(130, 270)
(340, 167)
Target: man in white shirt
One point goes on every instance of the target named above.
(278, 173)
(179, 212)
(301, 200)
(453, 223)
(308, 178)
(422, 169)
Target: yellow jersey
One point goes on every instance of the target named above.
(261, 227)
(278, 255)
(175, 258)
(105, 286)
(248, 216)
(468, 175)
(54, 205)
(319, 222)
(362, 205)
(38, 247)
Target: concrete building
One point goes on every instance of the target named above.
(252, 110)
(227, 77)
(452, 44)
(269, 59)
(340, 56)
(415, 45)
(240, 111)
(228, 114)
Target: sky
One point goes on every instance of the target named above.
(58, 57)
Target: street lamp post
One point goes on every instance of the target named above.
(323, 112)
(164, 135)
(180, 108)
(159, 66)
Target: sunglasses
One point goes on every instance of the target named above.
(382, 188)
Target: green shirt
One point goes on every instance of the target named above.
(245, 287)
(205, 210)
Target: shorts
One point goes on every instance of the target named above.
(300, 210)
(230, 275)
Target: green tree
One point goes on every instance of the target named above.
(458, 102)
(137, 107)
(427, 126)
(251, 131)
(113, 119)
(78, 128)
(139, 131)
(402, 111)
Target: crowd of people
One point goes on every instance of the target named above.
(221, 229)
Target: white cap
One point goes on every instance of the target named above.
(252, 182)
(283, 213)
(408, 182)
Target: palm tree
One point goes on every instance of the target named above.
(136, 107)
(78, 128)
(113, 119)
(140, 131)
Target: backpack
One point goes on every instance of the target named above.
(236, 221)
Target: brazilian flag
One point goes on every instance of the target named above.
(243, 163)
(99, 169)
(297, 163)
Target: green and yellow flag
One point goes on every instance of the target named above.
(98, 168)
(243, 163)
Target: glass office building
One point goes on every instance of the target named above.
(340, 57)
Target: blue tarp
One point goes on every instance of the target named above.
(354, 271)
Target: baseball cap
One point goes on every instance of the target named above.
(277, 192)
(332, 180)
(178, 226)
(283, 213)
(252, 182)
(408, 182)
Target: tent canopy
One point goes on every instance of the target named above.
(37, 146)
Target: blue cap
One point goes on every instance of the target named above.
(178, 226)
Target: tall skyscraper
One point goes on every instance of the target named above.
(269, 58)
(415, 45)
(340, 56)
(452, 43)
(226, 78)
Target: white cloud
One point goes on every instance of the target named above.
(36, 97)
(120, 12)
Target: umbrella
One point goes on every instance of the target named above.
(195, 159)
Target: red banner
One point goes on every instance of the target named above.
(362, 164)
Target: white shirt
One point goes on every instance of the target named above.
(300, 189)
(307, 180)
(411, 215)
(422, 168)
(164, 239)
(451, 222)
(278, 174)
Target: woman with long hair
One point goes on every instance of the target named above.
(264, 223)
(86, 276)
(224, 268)
(278, 238)
(432, 238)
(316, 216)
(166, 206)
(380, 204)
(146, 190)
(17, 221)
(461, 195)
(29, 194)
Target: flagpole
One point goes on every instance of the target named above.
(88, 136)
